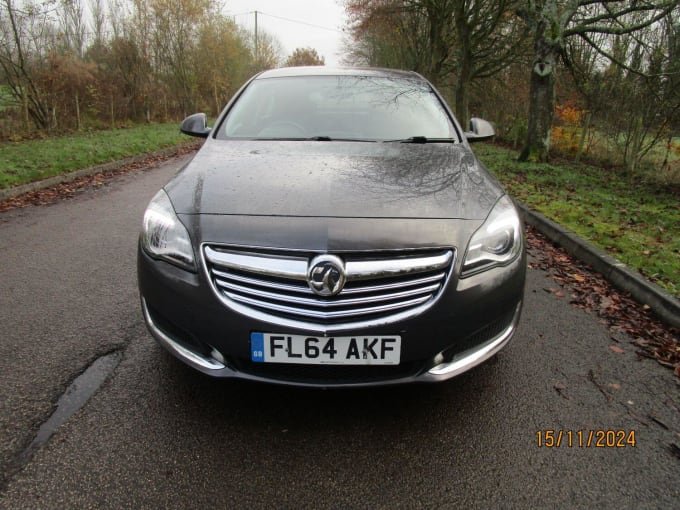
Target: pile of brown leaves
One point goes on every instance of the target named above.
(590, 291)
(69, 189)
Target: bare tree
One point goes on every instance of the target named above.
(21, 57)
(73, 26)
(98, 21)
(269, 51)
(488, 40)
(644, 99)
(67, 64)
(442, 39)
(552, 23)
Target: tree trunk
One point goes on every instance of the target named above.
(437, 21)
(17, 75)
(27, 117)
(216, 97)
(584, 133)
(633, 148)
(669, 146)
(541, 99)
(77, 100)
(465, 65)
(463, 97)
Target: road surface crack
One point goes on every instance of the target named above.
(84, 385)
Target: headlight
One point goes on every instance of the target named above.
(163, 235)
(497, 242)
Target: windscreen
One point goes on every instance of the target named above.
(364, 108)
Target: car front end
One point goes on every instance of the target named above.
(320, 262)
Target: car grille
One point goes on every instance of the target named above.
(380, 288)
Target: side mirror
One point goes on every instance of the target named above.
(195, 125)
(479, 130)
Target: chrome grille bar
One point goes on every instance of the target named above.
(338, 314)
(388, 286)
(370, 269)
(335, 303)
(221, 275)
(296, 267)
(381, 287)
(268, 265)
(304, 289)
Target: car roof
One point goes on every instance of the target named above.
(337, 71)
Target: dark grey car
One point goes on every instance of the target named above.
(335, 229)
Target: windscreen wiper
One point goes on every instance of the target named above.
(422, 139)
(324, 138)
(320, 138)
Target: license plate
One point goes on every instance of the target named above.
(338, 350)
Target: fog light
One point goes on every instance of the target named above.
(438, 359)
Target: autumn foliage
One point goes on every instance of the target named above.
(125, 62)
(566, 131)
(304, 57)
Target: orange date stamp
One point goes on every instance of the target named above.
(597, 438)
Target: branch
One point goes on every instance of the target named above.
(616, 60)
(658, 134)
(609, 15)
(586, 25)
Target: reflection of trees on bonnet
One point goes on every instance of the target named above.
(412, 171)
(447, 171)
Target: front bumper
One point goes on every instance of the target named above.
(473, 319)
(213, 364)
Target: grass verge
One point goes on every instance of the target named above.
(27, 161)
(637, 222)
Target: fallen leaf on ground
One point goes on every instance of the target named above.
(618, 310)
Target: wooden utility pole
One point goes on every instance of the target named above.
(256, 49)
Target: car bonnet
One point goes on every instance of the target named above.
(334, 180)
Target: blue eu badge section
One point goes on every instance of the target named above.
(257, 347)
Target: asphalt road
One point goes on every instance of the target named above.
(156, 435)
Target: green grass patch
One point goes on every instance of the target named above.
(32, 160)
(637, 222)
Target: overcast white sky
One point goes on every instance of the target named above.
(295, 31)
